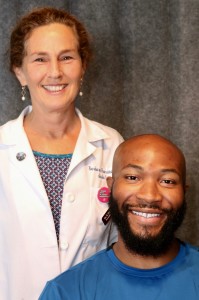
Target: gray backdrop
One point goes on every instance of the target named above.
(144, 77)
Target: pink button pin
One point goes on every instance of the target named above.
(103, 194)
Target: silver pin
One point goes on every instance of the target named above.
(21, 156)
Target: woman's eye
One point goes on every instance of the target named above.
(66, 58)
(39, 59)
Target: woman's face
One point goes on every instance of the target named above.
(52, 67)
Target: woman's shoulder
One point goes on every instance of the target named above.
(97, 127)
(12, 125)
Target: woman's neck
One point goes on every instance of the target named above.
(53, 133)
(51, 125)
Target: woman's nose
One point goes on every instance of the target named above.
(54, 69)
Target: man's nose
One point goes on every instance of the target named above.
(149, 192)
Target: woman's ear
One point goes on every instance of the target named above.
(186, 187)
(84, 67)
(20, 75)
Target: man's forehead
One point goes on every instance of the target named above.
(152, 149)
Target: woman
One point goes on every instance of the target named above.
(54, 161)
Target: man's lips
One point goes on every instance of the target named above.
(146, 211)
(146, 215)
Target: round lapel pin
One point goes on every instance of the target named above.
(21, 156)
(103, 194)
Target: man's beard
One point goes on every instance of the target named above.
(148, 245)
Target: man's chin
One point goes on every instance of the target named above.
(147, 231)
(147, 240)
(148, 245)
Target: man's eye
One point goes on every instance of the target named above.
(132, 177)
(169, 181)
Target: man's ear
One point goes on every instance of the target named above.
(20, 75)
(109, 181)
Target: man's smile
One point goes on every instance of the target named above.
(145, 215)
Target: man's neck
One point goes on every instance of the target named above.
(145, 262)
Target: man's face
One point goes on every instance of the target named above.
(147, 202)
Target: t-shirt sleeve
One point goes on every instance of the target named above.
(50, 292)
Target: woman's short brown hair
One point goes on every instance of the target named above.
(45, 16)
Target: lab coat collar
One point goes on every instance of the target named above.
(91, 137)
(92, 133)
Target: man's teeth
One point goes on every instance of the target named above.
(145, 215)
(54, 88)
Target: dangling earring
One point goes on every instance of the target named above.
(80, 91)
(23, 93)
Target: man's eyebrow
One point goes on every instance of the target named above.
(133, 167)
(170, 171)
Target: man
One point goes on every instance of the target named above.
(147, 204)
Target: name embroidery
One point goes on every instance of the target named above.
(102, 173)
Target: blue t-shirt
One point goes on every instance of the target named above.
(104, 277)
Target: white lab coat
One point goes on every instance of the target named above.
(29, 255)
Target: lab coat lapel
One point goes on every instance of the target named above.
(87, 142)
(16, 146)
(27, 167)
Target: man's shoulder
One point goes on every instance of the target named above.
(193, 249)
(189, 246)
(192, 255)
(82, 274)
(88, 266)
